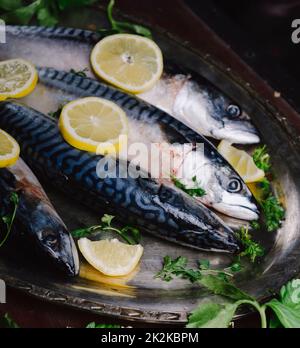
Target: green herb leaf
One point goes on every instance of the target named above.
(275, 323)
(287, 307)
(107, 219)
(262, 158)
(212, 315)
(204, 264)
(252, 250)
(236, 267)
(274, 213)
(129, 233)
(194, 192)
(102, 326)
(178, 268)
(224, 288)
(8, 220)
(255, 225)
(67, 4)
(84, 232)
(125, 27)
(8, 323)
(10, 5)
(265, 185)
(22, 15)
(45, 17)
(289, 317)
(132, 233)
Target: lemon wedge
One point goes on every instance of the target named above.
(18, 78)
(94, 124)
(130, 62)
(111, 257)
(9, 150)
(241, 161)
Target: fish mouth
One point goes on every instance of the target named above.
(238, 207)
(68, 260)
(238, 131)
(71, 264)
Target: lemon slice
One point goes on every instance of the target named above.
(111, 257)
(241, 161)
(130, 62)
(9, 150)
(18, 78)
(94, 124)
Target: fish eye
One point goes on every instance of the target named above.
(165, 195)
(49, 238)
(234, 186)
(233, 110)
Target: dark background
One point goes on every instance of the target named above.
(253, 39)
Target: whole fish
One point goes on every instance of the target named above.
(225, 190)
(36, 218)
(186, 96)
(162, 210)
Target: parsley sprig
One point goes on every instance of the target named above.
(129, 234)
(286, 307)
(48, 12)
(272, 209)
(252, 249)
(118, 27)
(178, 268)
(8, 220)
(262, 159)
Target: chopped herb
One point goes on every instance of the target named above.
(255, 225)
(195, 192)
(81, 73)
(265, 186)
(102, 326)
(262, 158)
(129, 233)
(204, 264)
(274, 213)
(178, 268)
(8, 323)
(236, 267)
(253, 250)
(8, 220)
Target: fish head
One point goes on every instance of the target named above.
(210, 112)
(225, 190)
(231, 196)
(233, 123)
(54, 241)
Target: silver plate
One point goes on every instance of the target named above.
(151, 300)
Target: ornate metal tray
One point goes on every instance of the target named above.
(140, 296)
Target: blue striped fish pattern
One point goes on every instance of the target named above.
(161, 210)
